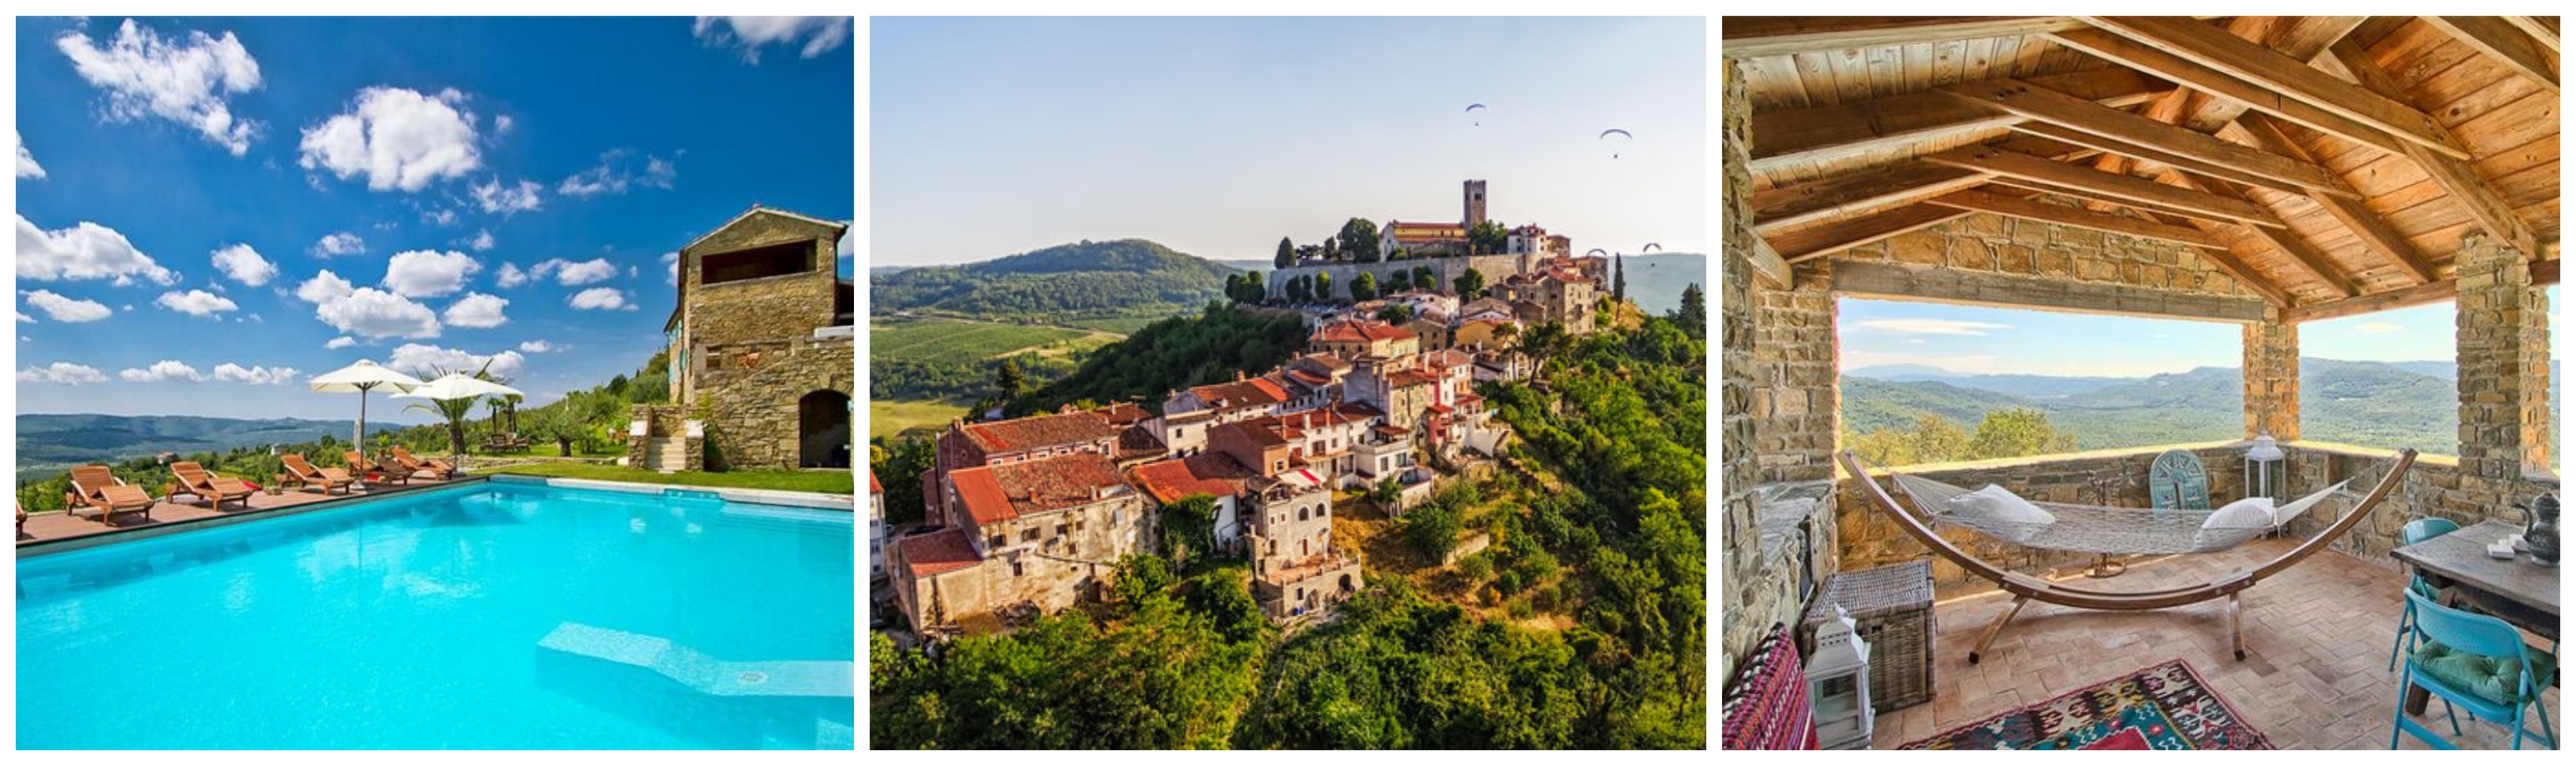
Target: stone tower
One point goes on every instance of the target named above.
(1475, 204)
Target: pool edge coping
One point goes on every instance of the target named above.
(814, 500)
(36, 548)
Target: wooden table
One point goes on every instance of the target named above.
(2514, 590)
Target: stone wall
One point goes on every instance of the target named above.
(1751, 596)
(2436, 487)
(1448, 269)
(2069, 263)
(750, 392)
(1797, 403)
(764, 308)
(2271, 371)
(2503, 347)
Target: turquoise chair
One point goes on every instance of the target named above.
(2414, 532)
(2476, 662)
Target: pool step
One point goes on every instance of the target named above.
(667, 454)
(775, 678)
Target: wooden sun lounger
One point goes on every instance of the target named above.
(326, 478)
(403, 458)
(363, 466)
(95, 489)
(2026, 588)
(195, 480)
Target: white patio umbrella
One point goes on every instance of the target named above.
(362, 377)
(457, 385)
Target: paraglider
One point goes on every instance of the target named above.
(1614, 154)
(1651, 247)
(1594, 252)
(1471, 109)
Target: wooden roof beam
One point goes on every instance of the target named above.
(1782, 137)
(1742, 36)
(2029, 209)
(2542, 29)
(2501, 42)
(2291, 78)
(2183, 71)
(2095, 183)
(1788, 207)
(2085, 123)
(1809, 244)
(2459, 182)
(2373, 230)
(2288, 242)
(1769, 269)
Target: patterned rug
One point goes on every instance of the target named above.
(2166, 707)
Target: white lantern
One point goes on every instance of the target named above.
(1838, 685)
(2266, 468)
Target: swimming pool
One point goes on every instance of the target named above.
(503, 614)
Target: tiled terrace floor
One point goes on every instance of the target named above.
(2315, 674)
(59, 526)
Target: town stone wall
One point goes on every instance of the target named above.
(750, 392)
(1448, 269)
(1796, 364)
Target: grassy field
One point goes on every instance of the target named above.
(961, 339)
(831, 482)
(890, 418)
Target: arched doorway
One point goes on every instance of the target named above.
(823, 430)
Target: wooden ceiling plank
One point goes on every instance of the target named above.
(1788, 207)
(1999, 204)
(1743, 36)
(2095, 183)
(2460, 183)
(2288, 242)
(1809, 244)
(2502, 43)
(1782, 137)
(2131, 53)
(2542, 29)
(2294, 79)
(2373, 230)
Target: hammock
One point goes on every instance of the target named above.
(2103, 528)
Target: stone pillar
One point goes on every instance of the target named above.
(1741, 556)
(2503, 346)
(1796, 366)
(2272, 377)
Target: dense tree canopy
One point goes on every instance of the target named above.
(1175, 353)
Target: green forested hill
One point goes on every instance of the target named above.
(47, 443)
(1122, 282)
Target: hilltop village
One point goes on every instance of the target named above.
(1031, 515)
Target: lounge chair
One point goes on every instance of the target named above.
(327, 478)
(195, 480)
(403, 458)
(363, 466)
(94, 488)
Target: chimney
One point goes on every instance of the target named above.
(1238, 376)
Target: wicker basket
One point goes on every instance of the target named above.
(1892, 606)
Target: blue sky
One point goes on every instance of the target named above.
(212, 210)
(1982, 340)
(990, 137)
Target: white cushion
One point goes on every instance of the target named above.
(1994, 503)
(2249, 513)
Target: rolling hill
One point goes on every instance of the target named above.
(1117, 285)
(49, 443)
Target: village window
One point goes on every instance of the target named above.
(1079, 524)
(1117, 517)
(771, 261)
(1001, 540)
(1073, 549)
(1301, 513)
(1016, 570)
(1063, 530)
(1029, 536)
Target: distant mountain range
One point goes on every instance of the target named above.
(49, 443)
(1065, 284)
(2387, 404)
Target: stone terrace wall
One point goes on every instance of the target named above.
(2436, 487)
(1494, 267)
(751, 392)
(1990, 244)
(1797, 401)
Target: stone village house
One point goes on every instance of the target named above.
(762, 370)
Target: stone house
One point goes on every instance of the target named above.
(1484, 333)
(1295, 569)
(1041, 533)
(1217, 475)
(1433, 334)
(876, 527)
(760, 349)
(1560, 294)
(1401, 392)
(966, 445)
(1365, 338)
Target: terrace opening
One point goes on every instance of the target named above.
(823, 430)
(769, 261)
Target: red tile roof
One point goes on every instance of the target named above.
(1011, 490)
(1137, 441)
(1122, 413)
(1253, 432)
(1170, 480)
(1039, 432)
(946, 550)
(1409, 378)
(1256, 392)
(873, 487)
(1360, 332)
(1450, 357)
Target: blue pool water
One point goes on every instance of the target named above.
(500, 615)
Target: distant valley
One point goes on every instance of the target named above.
(48, 444)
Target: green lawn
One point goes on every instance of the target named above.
(891, 418)
(831, 482)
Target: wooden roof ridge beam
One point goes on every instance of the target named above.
(1784, 136)
(2300, 37)
(1800, 204)
(2289, 243)
(2031, 209)
(2182, 148)
(2500, 41)
(2374, 230)
(2458, 180)
(2291, 78)
(2095, 183)
(1742, 36)
(2542, 29)
(2131, 53)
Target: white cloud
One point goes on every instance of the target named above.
(441, 216)
(507, 200)
(601, 299)
(574, 273)
(27, 167)
(195, 303)
(538, 347)
(22, 316)
(482, 240)
(323, 288)
(340, 343)
(615, 173)
(672, 259)
(164, 371)
(511, 276)
(183, 81)
(1930, 326)
(339, 243)
(397, 138)
(257, 376)
(420, 358)
(84, 251)
(64, 309)
(477, 310)
(244, 265)
(366, 311)
(2376, 328)
(63, 374)
(501, 124)
(428, 273)
(821, 34)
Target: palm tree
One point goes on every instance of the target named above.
(454, 411)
